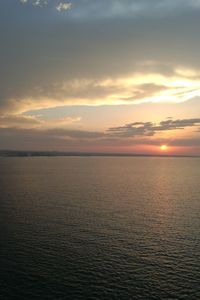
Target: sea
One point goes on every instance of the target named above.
(100, 228)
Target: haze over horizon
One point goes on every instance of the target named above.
(100, 76)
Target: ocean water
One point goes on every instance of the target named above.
(100, 228)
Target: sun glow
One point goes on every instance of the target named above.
(163, 147)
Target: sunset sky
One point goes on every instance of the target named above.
(117, 76)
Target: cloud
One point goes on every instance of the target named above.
(132, 8)
(150, 129)
(177, 124)
(59, 60)
(135, 88)
(34, 133)
(60, 127)
(19, 121)
(125, 7)
(35, 2)
(62, 6)
(90, 141)
(101, 53)
(60, 123)
(56, 133)
(36, 122)
(76, 134)
(132, 129)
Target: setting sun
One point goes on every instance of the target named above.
(164, 147)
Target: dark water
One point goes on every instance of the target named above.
(100, 228)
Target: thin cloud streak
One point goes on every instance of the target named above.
(37, 122)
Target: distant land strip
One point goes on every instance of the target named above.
(24, 153)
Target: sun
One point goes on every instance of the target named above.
(163, 147)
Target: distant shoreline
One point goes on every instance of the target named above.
(16, 153)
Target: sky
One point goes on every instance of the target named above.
(120, 76)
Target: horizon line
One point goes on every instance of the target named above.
(54, 153)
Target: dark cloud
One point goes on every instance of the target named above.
(132, 129)
(150, 129)
(177, 124)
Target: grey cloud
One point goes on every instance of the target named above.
(132, 130)
(31, 139)
(105, 8)
(40, 3)
(76, 134)
(37, 52)
(19, 121)
(58, 5)
(35, 121)
(177, 124)
(145, 90)
(63, 6)
(131, 8)
(150, 129)
(55, 139)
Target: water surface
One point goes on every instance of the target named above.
(100, 228)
